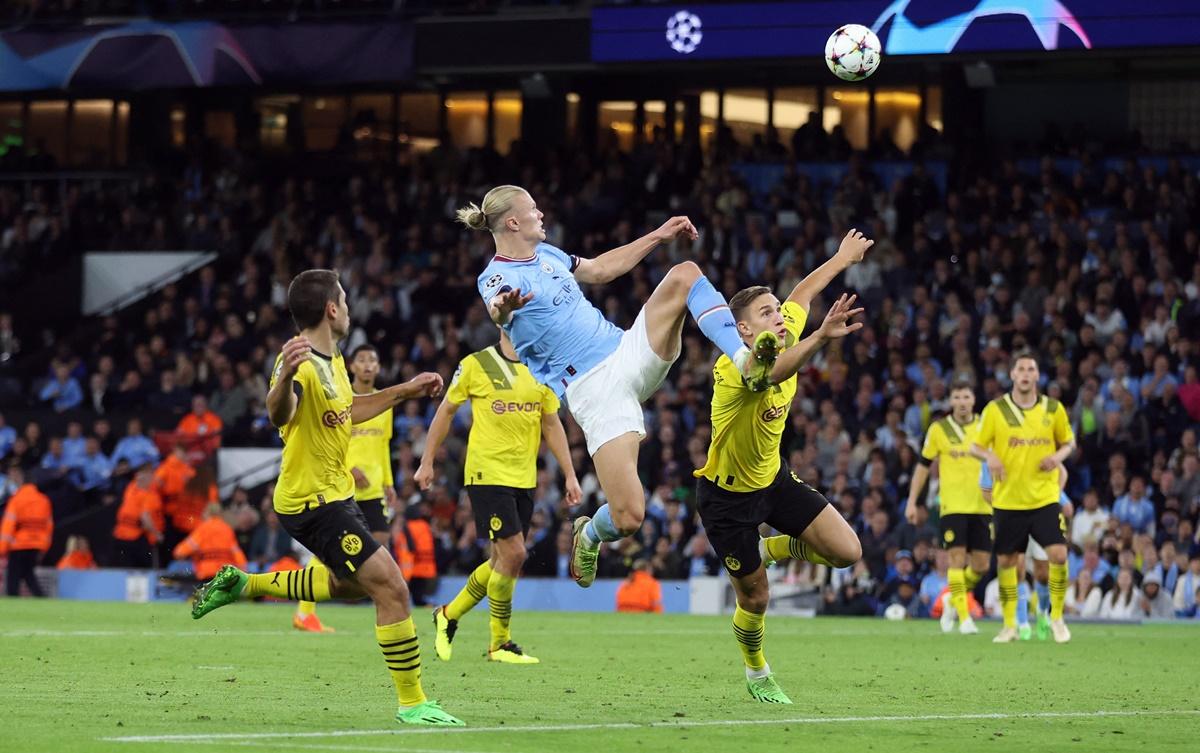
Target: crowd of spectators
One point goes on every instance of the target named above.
(1096, 268)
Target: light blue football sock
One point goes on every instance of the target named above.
(1023, 604)
(712, 314)
(601, 528)
(1043, 592)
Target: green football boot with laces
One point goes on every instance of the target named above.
(756, 363)
(583, 559)
(766, 690)
(225, 588)
(428, 713)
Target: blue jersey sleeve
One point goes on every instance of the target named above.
(985, 478)
(570, 260)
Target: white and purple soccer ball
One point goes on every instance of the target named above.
(853, 52)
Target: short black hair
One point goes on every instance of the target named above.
(309, 293)
(364, 348)
(1025, 353)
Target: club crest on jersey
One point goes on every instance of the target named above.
(547, 268)
(493, 281)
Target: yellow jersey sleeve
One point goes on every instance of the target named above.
(933, 443)
(1062, 426)
(987, 426)
(465, 385)
(794, 319)
(550, 403)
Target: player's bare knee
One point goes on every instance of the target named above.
(684, 275)
(756, 598)
(628, 521)
(510, 553)
(848, 552)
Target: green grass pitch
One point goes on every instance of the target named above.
(133, 678)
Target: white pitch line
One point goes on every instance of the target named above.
(236, 736)
(310, 746)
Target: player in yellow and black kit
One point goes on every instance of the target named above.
(511, 413)
(1024, 437)
(745, 482)
(311, 402)
(966, 517)
(370, 459)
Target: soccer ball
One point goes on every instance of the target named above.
(853, 52)
(895, 612)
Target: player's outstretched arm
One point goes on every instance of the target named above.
(836, 325)
(851, 251)
(366, 407)
(610, 265)
(438, 430)
(282, 399)
(556, 440)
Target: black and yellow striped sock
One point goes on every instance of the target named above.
(788, 547)
(309, 584)
(1059, 580)
(748, 628)
(971, 578)
(402, 653)
(958, 592)
(471, 594)
(1008, 595)
(499, 592)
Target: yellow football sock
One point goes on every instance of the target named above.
(402, 653)
(1008, 595)
(788, 547)
(309, 584)
(971, 578)
(1034, 602)
(499, 592)
(471, 594)
(958, 592)
(306, 607)
(748, 628)
(1058, 589)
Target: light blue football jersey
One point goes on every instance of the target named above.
(559, 334)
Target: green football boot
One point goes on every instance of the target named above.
(1043, 626)
(756, 364)
(428, 713)
(1024, 631)
(766, 690)
(225, 588)
(583, 559)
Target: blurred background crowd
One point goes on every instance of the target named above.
(1092, 262)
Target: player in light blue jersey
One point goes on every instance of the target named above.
(532, 290)
(1039, 562)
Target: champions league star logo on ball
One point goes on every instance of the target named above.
(683, 32)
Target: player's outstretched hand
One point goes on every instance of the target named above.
(424, 477)
(674, 227)
(426, 383)
(854, 246)
(837, 321)
(574, 493)
(509, 300)
(295, 352)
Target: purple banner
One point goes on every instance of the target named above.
(151, 54)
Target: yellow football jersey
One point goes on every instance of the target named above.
(371, 452)
(1022, 439)
(315, 441)
(507, 405)
(949, 443)
(747, 426)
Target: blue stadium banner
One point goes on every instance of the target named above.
(905, 27)
(151, 54)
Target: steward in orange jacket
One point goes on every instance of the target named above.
(211, 545)
(25, 534)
